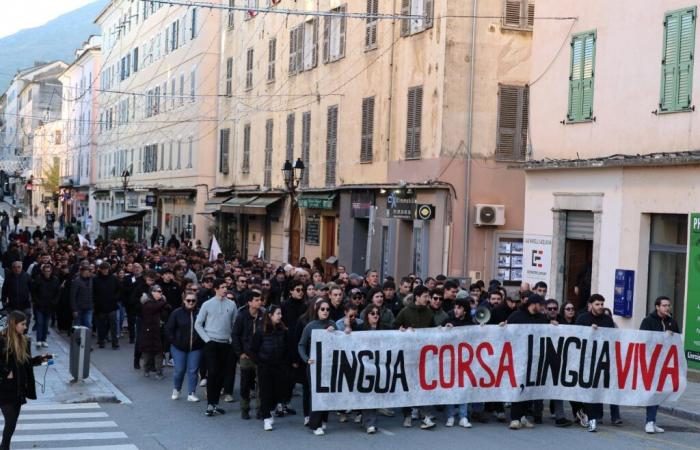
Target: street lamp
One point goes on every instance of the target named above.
(125, 183)
(293, 175)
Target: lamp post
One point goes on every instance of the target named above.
(125, 185)
(293, 174)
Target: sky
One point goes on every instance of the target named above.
(20, 14)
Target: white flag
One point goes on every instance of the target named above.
(82, 240)
(215, 250)
(261, 250)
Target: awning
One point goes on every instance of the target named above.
(127, 218)
(235, 205)
(214, 204)
(317, 201)
(249, 204)
(259, 205)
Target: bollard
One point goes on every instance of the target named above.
(80, 353)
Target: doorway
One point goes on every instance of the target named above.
(578, 258)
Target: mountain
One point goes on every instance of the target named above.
(56, 39)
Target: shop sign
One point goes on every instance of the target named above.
(150, 200)
(401, 206)
(537, 258)
(361, 204)
(425, 212)
(312, 233)
(623, 293)
(692, 305)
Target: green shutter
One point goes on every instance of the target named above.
(581, 77)
(677, 62)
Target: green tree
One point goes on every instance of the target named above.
(52, 177)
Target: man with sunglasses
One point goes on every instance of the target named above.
(240, 290)
(552, 309)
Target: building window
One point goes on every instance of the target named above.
(179, 155)
(174, 35)
(225, 135)
(334, 28)
(193, 23)
(366, 144)
(229, 77)
(246, 149)
(306, 146)
(519, 14)
(249, 69)
(267, 182)
(231, 17)
(182, 89)
(290, 137)
(511, 144)
(193, 85)
(303, 47)
(190, 151)
(331, 145)
(172, 93)
(271, 55)
(677, 62)
(667, 256)
(413, 122)
(581, 77)
(372, 24)
(418, 8)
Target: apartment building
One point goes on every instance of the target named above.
(157, 118)
(611, 183)
(48, 154)
(403, 124)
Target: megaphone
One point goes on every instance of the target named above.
(483, 315)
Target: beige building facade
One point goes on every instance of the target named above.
(386, 114)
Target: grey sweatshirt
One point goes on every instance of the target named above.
(215, 320)
(305, 341)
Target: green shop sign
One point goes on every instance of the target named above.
(692, 310)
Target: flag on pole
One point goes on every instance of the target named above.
(82, 240)
(214, 250)
(261, 250)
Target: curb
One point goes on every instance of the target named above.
(682, 413)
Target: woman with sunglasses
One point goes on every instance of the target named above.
(322, 321)
(185, 346)
(567, 316)
(376, 298)
(373, 322)
(153, 308)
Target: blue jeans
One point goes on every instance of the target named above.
(42, 325)
(185, 362)
(462, 410)
(651, 413)
(84, 319)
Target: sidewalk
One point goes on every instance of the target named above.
(688, 407)
(57, 386)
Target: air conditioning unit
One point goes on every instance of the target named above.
(490, 215)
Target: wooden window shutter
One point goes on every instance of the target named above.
(405, 23)
(272, 53)
(511, 18)
(524, 110)
(429, 12)
(366, 144)
(686, 53)
(414, 122)
(267, 182)
(224, 150)
(290, 137)
(371, 27)
(246, 149)
(530, 14)
(513, 116)
(677, 62)
(293, 51)
(229, 79)
(326, 39)
(581, 77)
(343, 27)
(300, 48)
(249, 70)
(306, 146)
(331, 145)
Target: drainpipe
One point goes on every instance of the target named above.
(470, 124)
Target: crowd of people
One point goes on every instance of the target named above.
(213, 319)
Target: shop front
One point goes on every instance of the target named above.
(318, 216)
(176, 212)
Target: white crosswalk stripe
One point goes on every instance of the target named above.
(54, 426)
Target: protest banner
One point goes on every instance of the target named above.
(386, 369)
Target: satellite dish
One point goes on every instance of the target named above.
(483, 315)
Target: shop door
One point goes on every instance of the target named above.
(295, 236)
(328, 244)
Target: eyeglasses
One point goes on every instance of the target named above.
(552, 309)
(569, 308)
(323, 309)
(373, 313)
(298, 290)
(435, 297)
(190, 300)
(160, 292)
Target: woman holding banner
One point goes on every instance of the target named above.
(322, 321)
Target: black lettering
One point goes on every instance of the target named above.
(582, 382)
(552, 361)
(530, 344)
(378, 377)
(574, 375)
(320, 388)
(540, 361)
(361, 376)
(347, 371)
(399, 374)
(603, 367)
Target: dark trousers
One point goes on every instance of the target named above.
(10, 412)
(107, 322)
(215, 354)
(594, 411)
(576, 407)
(137, 341)
(131, 324)
(248, 369)
(272, 384)
(316, 418)
(229, 373)
(520, 409)
(299, 376)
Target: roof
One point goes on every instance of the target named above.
(618, 160)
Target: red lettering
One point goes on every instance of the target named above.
(463, 365)
(506, 357)
(489, 350)
(667, 370)
(444, 383)
(421, 367)
(623, 369)
(636, 364)
(648, 372)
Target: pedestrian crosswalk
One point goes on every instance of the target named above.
(81, 426)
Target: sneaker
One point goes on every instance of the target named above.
(358, 418)
(306, 420)
(515, 425)
(464, 423)
(192, 398)
(343, 418)
(450, 422)
(563, 422)
(175, 395)
(407, 422)
(582, 418)
(210, 411)
(427, 423)
(45, 344)
(267, 424)
(592, 426)
(218, 410)
(371, 430)
(649, 428)
(617, 421)
(501, 417)
(203, 383)
(319, 432)
(658, 429)
(386, 412)
(526, 423)
(415, 414)
(38, 344)
(228, 398)
(171, 363)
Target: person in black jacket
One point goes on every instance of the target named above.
(248, 320)
(46, 290)
(595, 317)
(659, 320)
(16, 373)
(106, 294)
(271, 349)
(16, 291)
(185, 347)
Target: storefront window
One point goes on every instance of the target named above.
(667, 255)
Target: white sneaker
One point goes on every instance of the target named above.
(45, 344)
(228, 398)
(203, 383)
(267, 424)
(515, 425)
(649, 428)
(450, 422)
(358, 418)
(657, 428)
(371, 430)
(592, 425)
(319, 432)
(192, 398)
(464, 423)
(427, 423)
(38, 344)
(306, 420)
(582, 418)
(407, 422)
(176, 394)
(343, 417)
(526, 423)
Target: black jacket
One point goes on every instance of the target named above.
(501, 313)
(466, 320)
(522, 315)
(46, 292)
(172, 293)
(244, 328)
(653, 322)
(16, 291)
(105, 292)
(180, 330)
(81, 295)
(139, 287)
(587, 319)
(291, 311)
(273, 347)
(22, 385)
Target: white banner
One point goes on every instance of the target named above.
(385, 369)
